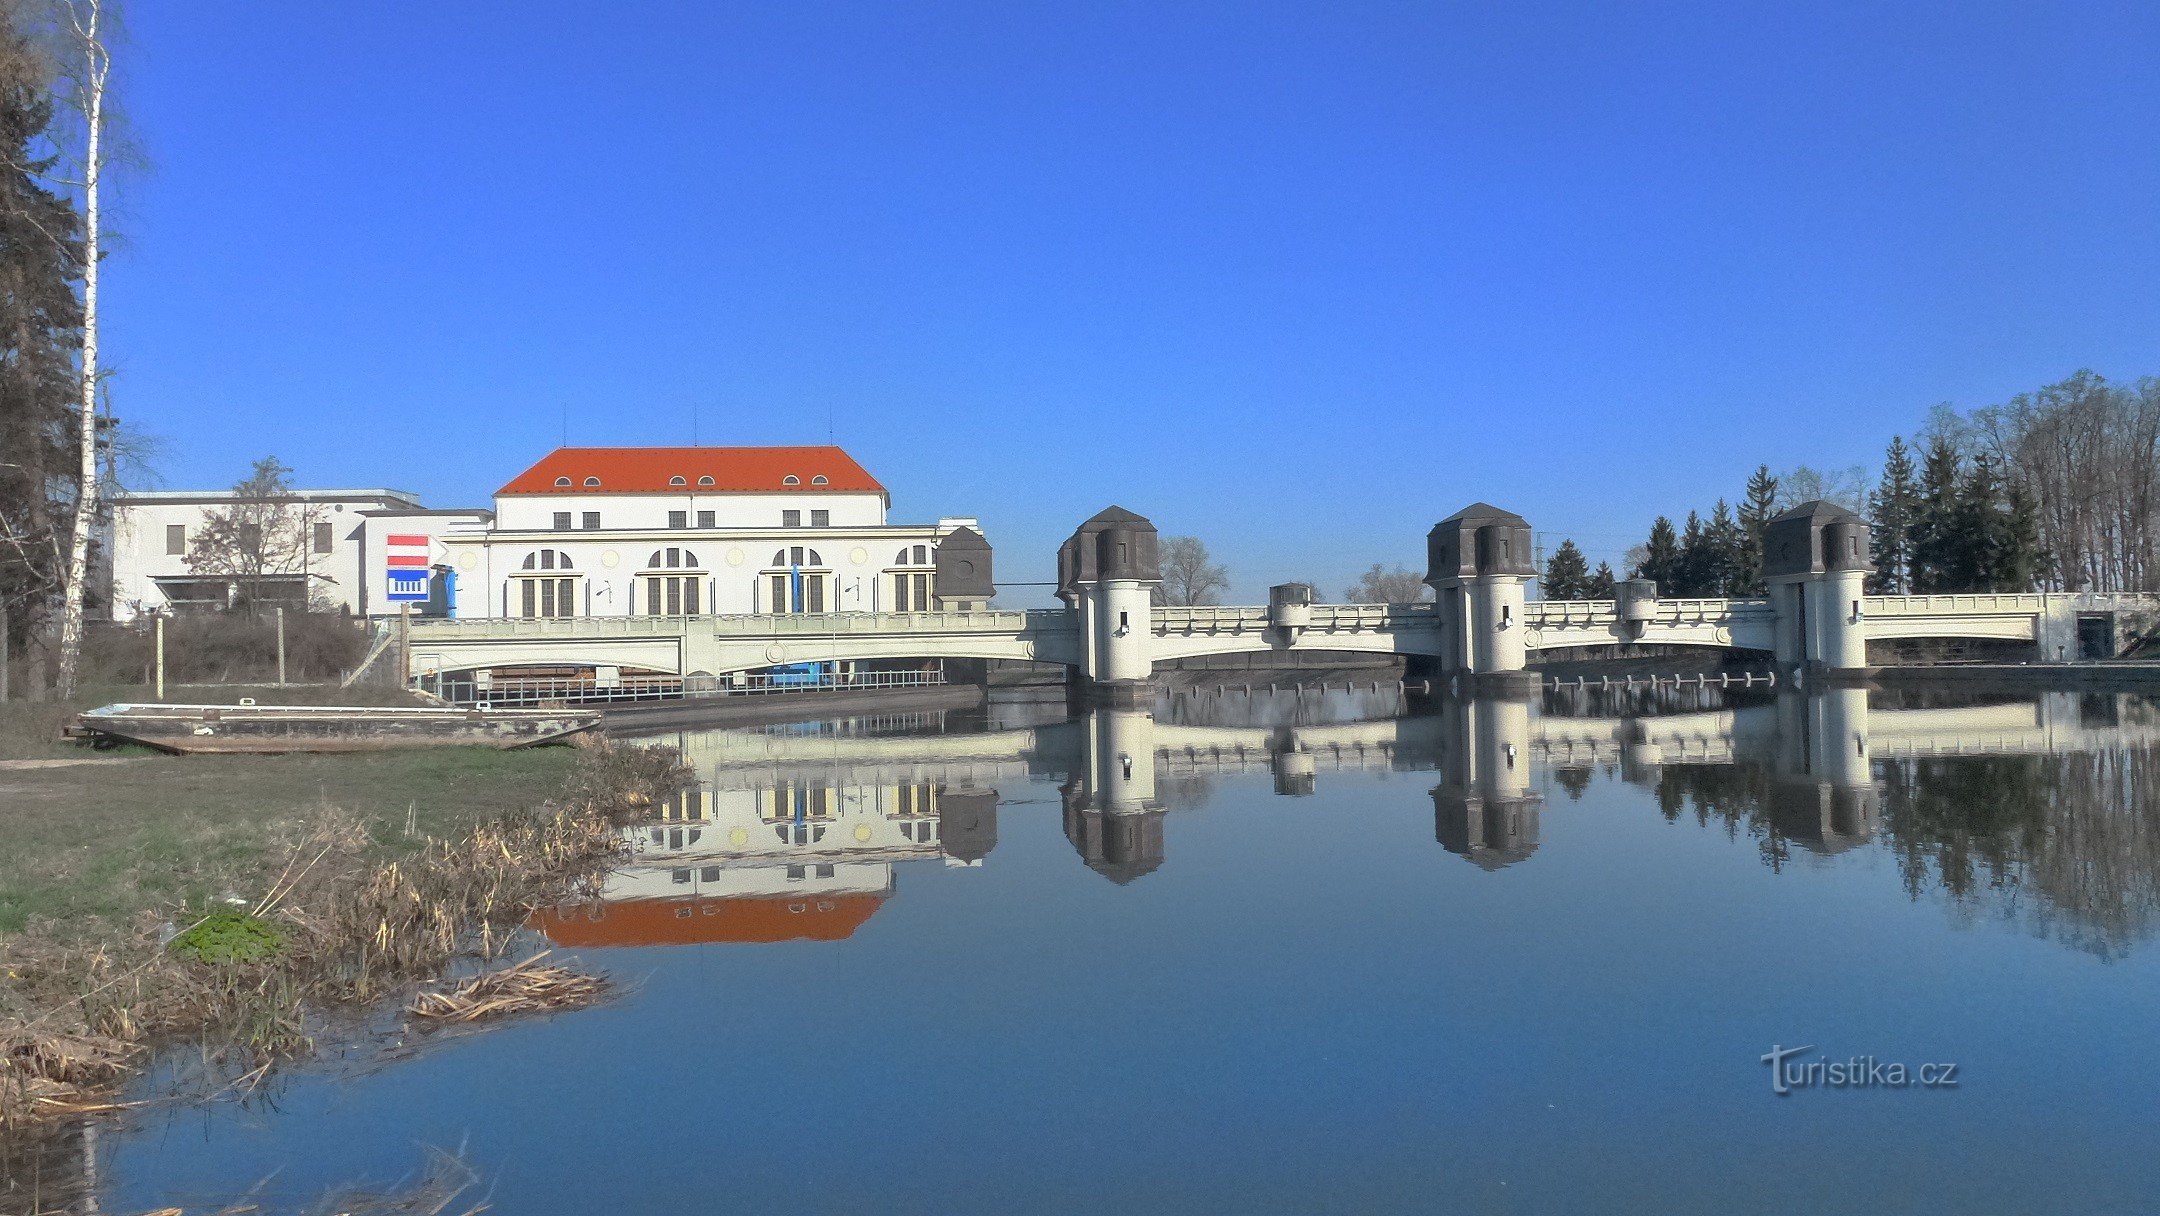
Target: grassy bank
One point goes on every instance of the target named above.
(329, 879)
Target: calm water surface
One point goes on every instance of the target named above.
(1313, 953)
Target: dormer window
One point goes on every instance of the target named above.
(791, 480)
(820, 480)
(562, 483)
(592, 483)
(678, 481)
(705, 480)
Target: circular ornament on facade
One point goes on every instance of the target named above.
(734, 557)
(466, 561)
(610, 558)
(859, 555)
(862, 833)
(738, 837)
(775, 653)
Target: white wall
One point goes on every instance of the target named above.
(139, 555)
(730, 562)
(518, 512)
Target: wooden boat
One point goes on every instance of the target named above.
(271, 729)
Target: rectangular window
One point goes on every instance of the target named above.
(706, 519)
(779, 602)
(821, 519)
(678, 519)
(175, 539)
(322, 538)
(562, 521)
(592, 521)
(527, 605)
(791, 519)
(813, 593)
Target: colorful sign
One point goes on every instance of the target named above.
(406, 568)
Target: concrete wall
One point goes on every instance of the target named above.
(140, 554)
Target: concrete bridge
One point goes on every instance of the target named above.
(1480, 627)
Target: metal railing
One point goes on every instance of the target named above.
(502, 692)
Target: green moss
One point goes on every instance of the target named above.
(229, 937)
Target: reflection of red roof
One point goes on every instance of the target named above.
(684, 922)
(732, 470)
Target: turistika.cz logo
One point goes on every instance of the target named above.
(1788, 1073)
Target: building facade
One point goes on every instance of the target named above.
(704, 530)
(325, 563)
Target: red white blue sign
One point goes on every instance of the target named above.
(405, 561)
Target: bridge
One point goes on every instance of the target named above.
(1111, 633)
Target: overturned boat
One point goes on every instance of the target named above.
(272, 729)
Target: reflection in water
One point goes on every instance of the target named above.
(2036, 806)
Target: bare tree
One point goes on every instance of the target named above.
(1846, 487)
(1188, 576)
(1380, 585)
(263, 544)
(87, 67)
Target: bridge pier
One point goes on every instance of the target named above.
(1478, 562)
(1824, 792)
(1484, 807)
(1111, 813)
(1816, 561)
(1108, 571)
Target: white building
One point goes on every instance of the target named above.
(590, 532)
(152, 533)
(700, 530)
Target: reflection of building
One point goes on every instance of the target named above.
(1484, 808)
(1822, 794)
(769, 857)
(1111, 814)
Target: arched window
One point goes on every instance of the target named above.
(795, 582)
(544, 586)
(671, 558)
(592, 483)
(669, 584)
(820, 480)
(678, 480)
(910, 587)
(562, 483)
(706, 480)
(791, 480)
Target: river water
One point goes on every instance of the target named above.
(1303, 952)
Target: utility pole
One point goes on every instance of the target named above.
(160, 656)
(281, 646)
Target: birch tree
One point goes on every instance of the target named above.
(87, 68)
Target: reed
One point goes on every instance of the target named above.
(351, 930)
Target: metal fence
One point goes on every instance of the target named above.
(588, 690)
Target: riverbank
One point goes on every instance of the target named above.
(324, 881)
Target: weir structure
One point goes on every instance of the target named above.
(1481, 632)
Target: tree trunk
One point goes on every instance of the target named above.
(95, 67)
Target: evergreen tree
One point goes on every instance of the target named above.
(1696, 567)
(1896, 506)
(1978, 528)
(1567, 575)
(40, 331)
(1601, 583)
(1725, 550)
(1939, 558)
(2021, 562)
(1756, 511)
(1661, 557)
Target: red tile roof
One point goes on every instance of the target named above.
(732, 470)
(681, 922)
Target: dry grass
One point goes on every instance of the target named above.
(527, 987)
(354, 929)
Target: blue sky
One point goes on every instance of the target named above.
(1297, 279)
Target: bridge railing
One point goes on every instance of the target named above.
(1225, 618)
(750, 624)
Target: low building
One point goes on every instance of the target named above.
(703, 530)
(325, 562)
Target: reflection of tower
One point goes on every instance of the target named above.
(1296, 771)
(1484, 808)
(968, 819)
(1823, 795)
(1111, 814)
